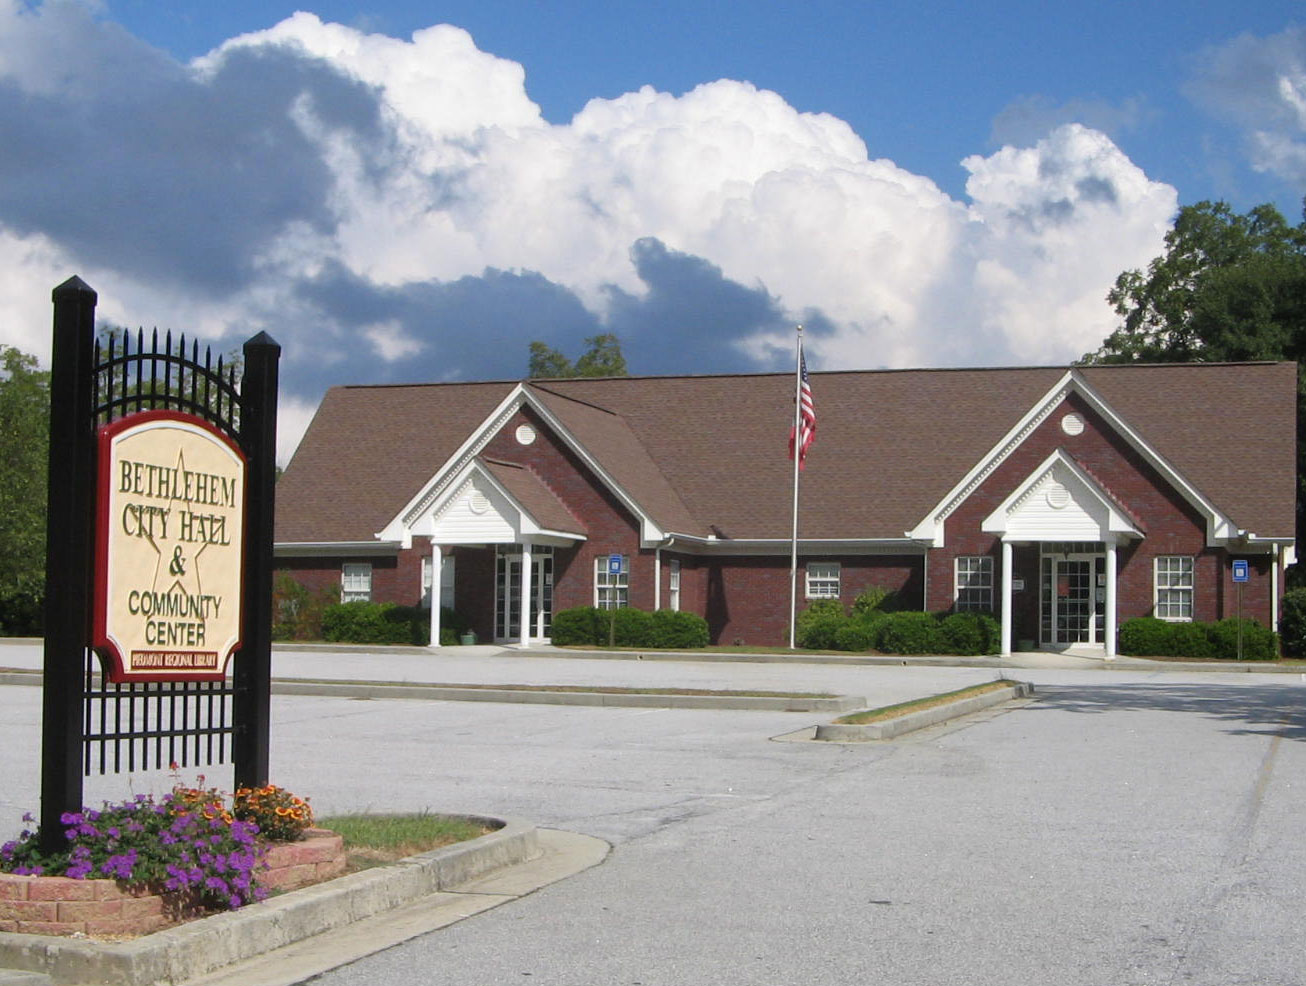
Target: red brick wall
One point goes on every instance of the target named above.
(1170, 524)
(747, 599)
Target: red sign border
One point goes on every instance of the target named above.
(110, 656)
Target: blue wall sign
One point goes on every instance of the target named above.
(614, 564)
(1239, 570)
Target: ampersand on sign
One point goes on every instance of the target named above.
(177, 566)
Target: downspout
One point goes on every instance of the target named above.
(657, 572)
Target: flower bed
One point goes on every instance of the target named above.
(58, 905)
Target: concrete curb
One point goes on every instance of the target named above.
(191, 950)
(530, 696)
(842, 733)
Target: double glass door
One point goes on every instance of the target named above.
(1072, 598)
(507, 602)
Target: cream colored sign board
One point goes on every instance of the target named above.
(170, 548)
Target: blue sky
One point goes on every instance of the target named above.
(919, 184)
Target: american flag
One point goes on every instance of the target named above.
(806, 413)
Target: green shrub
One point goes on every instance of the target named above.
(911, 632)
(857, 635)
(297, 611)
(452, 626)
(679, 630)
(1145, 636)
(630, 627)
(365, 623)
(578, 626)
(1259, 643)
(970, 633)
(1292, 623)
(1190, 640)
(816, 626)
(873, 599)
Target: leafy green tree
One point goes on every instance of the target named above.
(1228, 287)
(602, 359)
(24, 445)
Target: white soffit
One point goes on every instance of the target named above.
(1059, 501)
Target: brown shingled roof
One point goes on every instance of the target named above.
(703, 452)
(535, 497)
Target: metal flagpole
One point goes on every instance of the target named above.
(797, 454)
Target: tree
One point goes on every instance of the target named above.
(1228, 287)
(24, 445)
(602, 359)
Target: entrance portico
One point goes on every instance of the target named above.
(1078, 526)
(502, 507)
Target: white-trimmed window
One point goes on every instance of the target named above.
(611, 588)
(974, 583)
(1174, 587)
(673, 584)
(356, 582)
(822, 580)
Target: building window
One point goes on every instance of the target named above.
(673, 593)
(823, 580)
(611, 587)
(356, 582)
(1174, 587)
(974, 583)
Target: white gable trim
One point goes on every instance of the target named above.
(401, 526)
(500, 518)
(1086, 509)
(930, 529)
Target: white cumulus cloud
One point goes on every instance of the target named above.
(392, 208)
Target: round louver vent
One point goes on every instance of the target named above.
(525, 434)
(1057, 496)
(1072, 424)
(477, 503)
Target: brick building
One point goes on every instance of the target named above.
(1063, 500)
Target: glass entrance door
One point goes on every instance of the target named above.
(1074, 601)
(1072, 596)
(507, 595)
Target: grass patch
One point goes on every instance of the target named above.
(915, 705)
(374, 840)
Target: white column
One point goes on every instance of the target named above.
(657, 578)
(526, 594)
(437, 563)
(1006, 598)
(1110, 601)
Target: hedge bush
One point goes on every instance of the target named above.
(1259, 643)
(627, 627)
(911, 633)
(817, 625)
(1292, 623)
(970, 633)
(857, 635)
(1146, 636)
(677, 630)
(374, 623)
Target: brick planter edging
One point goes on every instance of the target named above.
(191, 950)
(838, 732)
(60, 905)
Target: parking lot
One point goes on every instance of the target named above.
(1124, 827)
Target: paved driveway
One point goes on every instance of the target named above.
(1122, 829)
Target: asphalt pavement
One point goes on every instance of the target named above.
(1124, 827)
